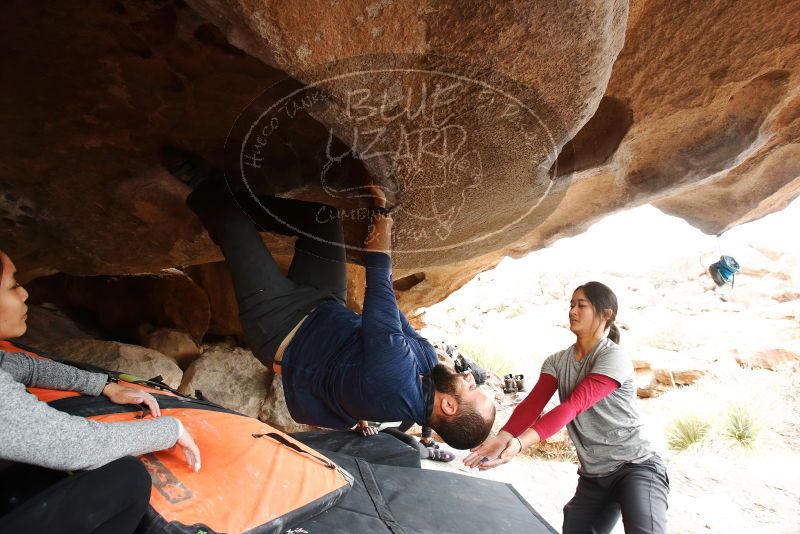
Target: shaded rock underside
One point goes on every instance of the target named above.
(694, 107)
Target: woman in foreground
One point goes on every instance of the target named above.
(33, 433)
(620, 474)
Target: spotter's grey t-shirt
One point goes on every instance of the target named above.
(609, 433)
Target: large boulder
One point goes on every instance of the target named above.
(133, 359)
(164, 73)
(215, 279)
(173, 343)
(232, 378)
(689, 114)
(275, 412)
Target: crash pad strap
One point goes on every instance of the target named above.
(374, 492)
(85, 406)
(286, 443)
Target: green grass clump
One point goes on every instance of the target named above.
(686, 432)
(489, 358)
(742, 427)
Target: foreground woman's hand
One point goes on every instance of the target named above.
(489, 450)
(190, 449)
(119, 394)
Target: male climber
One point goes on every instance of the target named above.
(338, 369)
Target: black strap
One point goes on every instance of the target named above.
(85, 406)
(374, 492)
(286, 443)
(155, 383)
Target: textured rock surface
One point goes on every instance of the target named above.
(275, 412)
(773, 359)
(133, 359)
(215, 280)
(470, 150)
(173, 343)
(678, 378)
(699, 113)
(713, 91)
(232, 378)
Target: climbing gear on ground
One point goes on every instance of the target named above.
(441, 455)
(519, 381)
(431, 444)
(510, 384)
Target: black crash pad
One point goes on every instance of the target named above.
(379, 449)
(388, 499)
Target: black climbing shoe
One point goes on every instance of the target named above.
(441, 455)
(187, 166)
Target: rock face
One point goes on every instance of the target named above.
(678, 378)
(121, 304)
(232, 378)
(215, 280)
(49, 326)
(138, 361)
(459, 113)
(172, 343)
(773, 359)
(275, 412)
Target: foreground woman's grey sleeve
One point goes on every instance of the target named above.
(35, 433)
(42, 373)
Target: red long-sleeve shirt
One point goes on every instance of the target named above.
(588, 392)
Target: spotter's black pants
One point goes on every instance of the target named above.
(636, 492)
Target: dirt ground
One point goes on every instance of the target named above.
(672, 319)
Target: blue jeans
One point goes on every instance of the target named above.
(637, 492)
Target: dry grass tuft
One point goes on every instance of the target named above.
(687, 432)
(487, 357)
